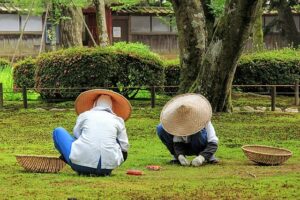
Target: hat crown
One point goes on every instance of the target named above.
(120, 105)
(184, 109)
(186, 114)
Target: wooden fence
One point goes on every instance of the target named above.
(162, 89)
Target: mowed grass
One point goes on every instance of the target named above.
(30, 132)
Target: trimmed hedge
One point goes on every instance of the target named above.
(138, 66)
(172, 76)
(23, 73)
(270, 67)
(73, 68)
(94, 68)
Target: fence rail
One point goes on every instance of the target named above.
(170, 90)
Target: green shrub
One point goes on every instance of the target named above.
(73, 68)
(281, 67)
(23, 73)
(172, 76)
(94, 68)
(138, 66)
(269, 67)
(135, 48)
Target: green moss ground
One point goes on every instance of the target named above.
(29, 132)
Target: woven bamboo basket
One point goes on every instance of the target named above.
(42, 164)
(266, 155)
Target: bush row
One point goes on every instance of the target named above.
(271, 67)
(120, 66)
(23, 73)
(126, 65)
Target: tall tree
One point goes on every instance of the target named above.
(101, 22)
(209, 53)
(71, 26)
(258, 36)
(66, 12)
(287, 22)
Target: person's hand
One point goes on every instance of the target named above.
(198, 161)
(183, 161)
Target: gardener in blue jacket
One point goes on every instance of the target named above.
(100, 141)
(186, 129)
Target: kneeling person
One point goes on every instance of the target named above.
(186, 129)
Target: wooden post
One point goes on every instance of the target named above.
(1, 95)
(152, 96)
(24, 93)
(273, 98)
(297, 93)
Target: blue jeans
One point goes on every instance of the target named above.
(197, 144)
(63, 143)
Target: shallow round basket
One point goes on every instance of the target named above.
(266, 155)
(42, 164)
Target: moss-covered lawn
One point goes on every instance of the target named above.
(30, 132)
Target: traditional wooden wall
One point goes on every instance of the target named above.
(159, 43)
(29, 46)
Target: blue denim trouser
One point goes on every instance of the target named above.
(197, 144)
(63, 143)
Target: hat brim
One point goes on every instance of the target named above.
(120, 105)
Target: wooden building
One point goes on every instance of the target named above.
(153, 26)
(274, 39)
(11, 24)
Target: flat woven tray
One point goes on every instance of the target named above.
(42, 164)
(266, 155)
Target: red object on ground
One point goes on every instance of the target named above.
(134, 172)
(153, 167)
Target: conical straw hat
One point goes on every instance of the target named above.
(120, 105)
(186, 114)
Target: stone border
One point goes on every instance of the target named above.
(235, 109)
(264, 109)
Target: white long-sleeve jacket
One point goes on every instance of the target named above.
(101, 136)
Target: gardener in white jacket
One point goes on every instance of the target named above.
(186, 129)
(100, 141)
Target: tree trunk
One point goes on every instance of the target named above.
(71, 28)
(287, 22)
(52, 30)
(101, 22)
(216, 67)
(258, 37)
(192, 39)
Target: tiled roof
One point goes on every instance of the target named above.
(9, 8)
(145, 10)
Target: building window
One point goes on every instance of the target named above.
(34, 23)
(153, 24)
(9, 22)
(269, 20)
(161, 24)
(140, 24)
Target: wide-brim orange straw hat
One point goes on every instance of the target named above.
(120, 105)
(186, 114)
